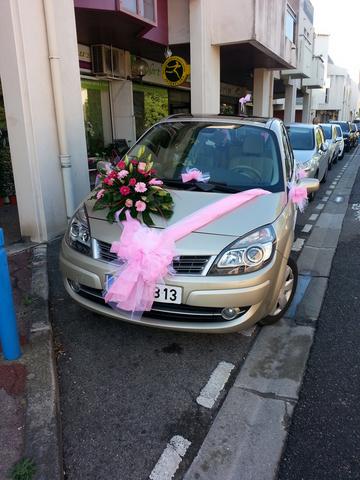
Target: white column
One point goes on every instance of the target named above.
(290, 103)
(306, 107)
(31, 121)
(123, 110)
(263, 92)
(205, 60)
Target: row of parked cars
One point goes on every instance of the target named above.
(317, 147)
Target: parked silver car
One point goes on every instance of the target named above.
(340, 141)
(310, 150)
(331, 141)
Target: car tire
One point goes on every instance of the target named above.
(285, 296)
(323, 180)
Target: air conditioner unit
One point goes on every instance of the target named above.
(108, 61)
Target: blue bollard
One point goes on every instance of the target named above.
(9, 336)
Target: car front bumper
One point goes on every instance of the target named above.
(203, 297)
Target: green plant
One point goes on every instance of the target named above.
(7, 186)
(25, 469)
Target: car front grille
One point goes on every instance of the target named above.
(165, 311)
(183, 265)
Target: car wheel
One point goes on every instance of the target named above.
(286, 295)
(323, 180)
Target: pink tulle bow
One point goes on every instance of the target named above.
(194, 174)
(245, 99)
(298, 195)
(148, 253)
(300, 173)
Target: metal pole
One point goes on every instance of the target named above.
(9, 336)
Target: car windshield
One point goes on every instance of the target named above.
(344, 126)
(301, 138)
(235, 157)
(327, 131)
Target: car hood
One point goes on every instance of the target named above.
(302, 156)
(256, 213)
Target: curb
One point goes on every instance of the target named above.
(42, 440)
(249, 433)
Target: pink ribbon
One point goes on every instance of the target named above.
(148, 253)
(298, 195)
(194, 174)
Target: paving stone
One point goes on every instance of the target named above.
(315, 261)
(245, 440)
(308, 310)
(323, 237)
(330, 220)
(277, 361)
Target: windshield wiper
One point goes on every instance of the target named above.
(221, 187)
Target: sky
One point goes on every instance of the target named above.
(340, 19)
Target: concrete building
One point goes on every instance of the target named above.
(79, 75)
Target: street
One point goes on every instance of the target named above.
(125, 391)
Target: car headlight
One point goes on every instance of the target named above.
(247, 254)
(78, 232)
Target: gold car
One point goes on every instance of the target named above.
(228, 275)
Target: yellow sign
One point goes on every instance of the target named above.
(175, 70)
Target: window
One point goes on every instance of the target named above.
(142, 8)
(327, 95)
(237, 157)
(290, 21)
(301, 138)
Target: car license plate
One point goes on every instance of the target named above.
(168, 294)
(163, 293)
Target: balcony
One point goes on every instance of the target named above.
(304, 62)
(317, 79)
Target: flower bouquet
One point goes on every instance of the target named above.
(131, 185)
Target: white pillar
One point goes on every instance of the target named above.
(123, 110)
(205, 60)
(31, 121)
(263, 92)
(306, 107)
(290, 103)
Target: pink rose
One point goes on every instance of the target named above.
(140, 187)
(108, 181)
(134, 162)
(112, 174)
(122, 174)
(124, 190)
(129, 203)
(132, 182)
(121, 164)
(141, 166)
(140, 206)
(100, 194)
(156, 181)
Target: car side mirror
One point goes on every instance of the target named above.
(311, 184)
(323, 147)
(338, 139)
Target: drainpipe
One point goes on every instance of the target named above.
(65, 159)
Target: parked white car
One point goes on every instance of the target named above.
(340, 141)
(331, 135)
(310, 150)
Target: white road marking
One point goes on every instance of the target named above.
(325, 199)
(313, 217)
(333, 184)
(328, 192)
(356, 208)
(216, 383)
(170, 459)
(332, 187)
(320, 206)
(298, 245)
(307, 228)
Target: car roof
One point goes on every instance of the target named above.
(303, 125)
(264, 122)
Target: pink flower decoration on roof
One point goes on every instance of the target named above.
(124, 190)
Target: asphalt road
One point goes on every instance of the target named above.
(127, 390)
(324, 438)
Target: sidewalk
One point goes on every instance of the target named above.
(28, 387)
(324, 438)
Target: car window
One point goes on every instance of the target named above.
(236, 155)
(289, 157)
(301, 138)
(338, 131)
(327, 129)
